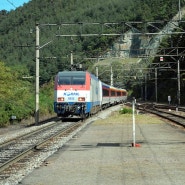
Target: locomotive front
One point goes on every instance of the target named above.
(71, 93)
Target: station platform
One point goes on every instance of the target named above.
(102, 154)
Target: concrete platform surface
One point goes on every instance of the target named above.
(102, 154)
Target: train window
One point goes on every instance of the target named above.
(64, 81)
(71, 78)
(113, 93)
(78, 80)
(118, 93)
(105, 92)
(124, 93)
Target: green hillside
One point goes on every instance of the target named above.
(18, 29)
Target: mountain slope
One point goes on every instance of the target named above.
(18, 29)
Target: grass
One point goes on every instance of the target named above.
(117, 118)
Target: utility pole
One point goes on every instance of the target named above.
(145, 86)
(96, 71)
(179, 10)
(111, 77)
(72, 66)
(37, 47)
(156, 85)
(178, 81)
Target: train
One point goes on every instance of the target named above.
(81, 94)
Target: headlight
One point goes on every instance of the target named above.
(81, 98)
(60, 98)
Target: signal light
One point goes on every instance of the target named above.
(60, 98)
(81, 98)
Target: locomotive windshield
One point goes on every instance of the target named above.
(71, 78)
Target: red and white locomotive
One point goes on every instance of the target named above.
(80, 93)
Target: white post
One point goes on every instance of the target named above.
(133, 117)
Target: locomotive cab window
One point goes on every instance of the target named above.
(68, 78)
(64, 81)
(79, 80)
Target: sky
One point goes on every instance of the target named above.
(11, 4)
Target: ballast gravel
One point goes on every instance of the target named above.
(102, 154)
(9, 133)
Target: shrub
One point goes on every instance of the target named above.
(125, 111)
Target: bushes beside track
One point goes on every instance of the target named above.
(17, 97)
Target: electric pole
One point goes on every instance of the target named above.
(37, 47)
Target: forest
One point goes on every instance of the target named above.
(17, 41)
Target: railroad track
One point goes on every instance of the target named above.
(16, 153)
(21, 155)
(177, 116)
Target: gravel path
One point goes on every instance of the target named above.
(101, 154)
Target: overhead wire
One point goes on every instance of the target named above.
(11, 3)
